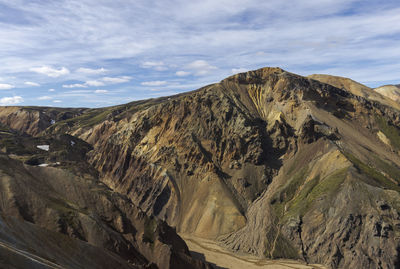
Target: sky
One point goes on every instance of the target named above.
(95, 53)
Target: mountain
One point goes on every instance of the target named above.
(264, 162)
(357, 88)
(390, 91)
(53, 207)
(350, 85)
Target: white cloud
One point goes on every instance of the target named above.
(77, 85)
(239, 70)
(158, 66)
(150, 64)
(49, 71)
(97, 83)
(100, 91)
(300, 36)
(116, 80)
(6, 86)
(45, 97)
(11, 100)
(182, 73)
(77, 91)
(52, 90)
(201, 67)
(90, 71)
(30, 83)
(154, 83)
(94, 83)
(57, 101)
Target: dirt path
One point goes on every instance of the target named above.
(223, 258)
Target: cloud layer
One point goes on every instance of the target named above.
(128, 46)
(49, 71)
(5, 101)
(4, 86)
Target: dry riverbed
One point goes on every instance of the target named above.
(222, 258)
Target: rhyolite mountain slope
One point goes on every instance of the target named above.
(359, 89)
(55, 213)
(390, 91)
(266, 162)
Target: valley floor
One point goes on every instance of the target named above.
(222, 258)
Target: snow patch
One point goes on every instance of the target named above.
(43, 147)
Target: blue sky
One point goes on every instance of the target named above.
(92, 53)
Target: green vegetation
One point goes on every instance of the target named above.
(288, 191)
(87, 119)
(64, 206)
(92, 117)
(313, 189)
(10, 143)
(293, 185)
(373, 177)
(297, 196)
(389, 169)
(390, 131)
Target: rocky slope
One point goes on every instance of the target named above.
(358, 89)
(53, 207)
(390, 91)
(266, 162)
(32, 120)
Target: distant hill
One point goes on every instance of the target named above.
(390, 91)
(356, 88)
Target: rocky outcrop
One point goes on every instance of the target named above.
(64, 206)
(34, 120)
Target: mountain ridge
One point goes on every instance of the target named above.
(390, 91)
(255, 162)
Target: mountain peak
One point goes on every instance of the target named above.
(261, 73)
